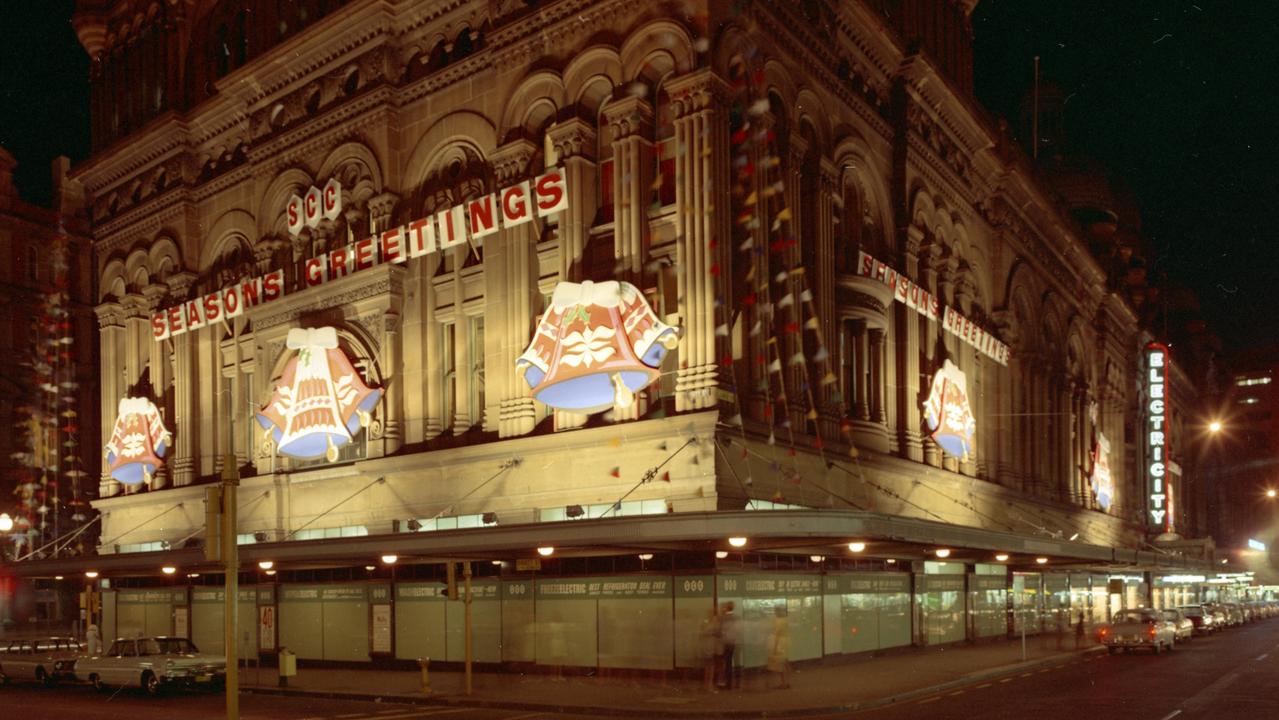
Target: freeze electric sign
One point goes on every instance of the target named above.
(1157, 431)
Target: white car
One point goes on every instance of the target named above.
(152, 664)
(1141, 628)
(46, 660)
(1183, 627)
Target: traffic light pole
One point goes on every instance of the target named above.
(231, 563)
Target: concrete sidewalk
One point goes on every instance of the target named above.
(833, 685)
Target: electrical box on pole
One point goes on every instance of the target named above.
(213, 523)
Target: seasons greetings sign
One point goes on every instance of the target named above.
(469, 222)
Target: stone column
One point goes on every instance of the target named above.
(184, 425)
(797, 151)
(930, 262)
(861, 372)
(701, 180)
(392, 368)
(909, 402)
(575, 149)
(822, 282)
(110, 340)
(158, 351)
(511, 272)
(877, 414)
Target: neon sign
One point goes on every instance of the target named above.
(595, 347)
(138, 442)
(451, 227)
(321, 401)
(946, 411)
(1157, 362)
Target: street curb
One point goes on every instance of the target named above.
(650, 712)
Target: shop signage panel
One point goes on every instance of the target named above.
(940, 583)
(517, 589)
(138, 443)
(344, 593)
(146, 597)
(988, 582)
(888, 583)
(379, 593)
(619, 587)
(321, 402)
(417, 592)
(1156, 436)
(209, 595)
(770, 586)
(468, 223)
(694, 586)
(947, 413)
(595, 347)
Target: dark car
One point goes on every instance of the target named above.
(1204, 621)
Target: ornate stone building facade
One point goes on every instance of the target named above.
(827, 135)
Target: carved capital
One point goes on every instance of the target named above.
(380, 208)
(180, 283)
(629, 116)
(575, 138)
(109, 315)
(696, 91)
(511, 161)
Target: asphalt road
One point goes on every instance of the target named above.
(1234, 674)
(29, 702)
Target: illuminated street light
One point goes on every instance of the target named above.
(646, 556)
(390, 559)
(737, 542)
(168, 569)
(370, 568)
(266, 564)
(1041, 560)
(6, 523)
(545, 551)
(721, 554)
(856, 546)
(1214, 426)
(816, 558)
(1002, 557)
(57, 577)
(1270, 493)
(943, 552)
(91, 574)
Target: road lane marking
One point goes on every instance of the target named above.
(957, 692)
(1006, 680)
(979, 687)
(525, 717)
(934, 698)
(1171, 715)
(1263, 656)
(1026, 674)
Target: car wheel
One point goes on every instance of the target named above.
(97, 683)
(43, 677)
(151, 683)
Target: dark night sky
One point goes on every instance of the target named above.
(1175, 97)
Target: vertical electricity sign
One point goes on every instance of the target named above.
(1157, 362)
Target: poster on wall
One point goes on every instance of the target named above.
(266, 627)
(947, 413)
(381, 628)
(138, 443)
(321, 402)
(181, 628)
(1103, 486)
(595, 347)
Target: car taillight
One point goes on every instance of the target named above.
(1153, 632)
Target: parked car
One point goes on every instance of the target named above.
(152, 664)
(1218, 612)
(1203, 619)
(46, 660)
(1141, 628)
(1234, 614)
(1183, 627)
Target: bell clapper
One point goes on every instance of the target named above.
(622, 395)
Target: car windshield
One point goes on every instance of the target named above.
(149, 646)
(177, 646)
(1134, 617)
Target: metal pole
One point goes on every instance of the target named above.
(466, 574)
(231, 563)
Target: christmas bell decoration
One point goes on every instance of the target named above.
(946, 411)
(321, 402)
(138, 441)
(595, 347)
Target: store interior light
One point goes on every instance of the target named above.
(370, 568)
(1041, 560)
(891, 561)
(1002, 557)
(817, 558)
(266, 564)
(91, 574)
(856, 546)
(546, 551)
(389, 559)
(943, 552)
(721, 554)
(737, 541)
(270, 572)
(497, 562)
(168, 569)
(193, 575)
(57, 577)
(646, 556)
(6, 523)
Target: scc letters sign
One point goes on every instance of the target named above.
(471, 221)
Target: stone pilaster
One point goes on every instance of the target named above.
(110, 342)
(185, 424)
(510, 267)
(701, 181)
(575, 146)
(909, 402)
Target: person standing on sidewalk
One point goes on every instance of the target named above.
(709, 647)
(730, 631)
(1079, 631)
(779, 647)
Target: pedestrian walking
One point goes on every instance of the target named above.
(1079, 631)
(730, 632)
(710, 647)
(93, 641)
(779, 647)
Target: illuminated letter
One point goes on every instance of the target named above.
(421, 237)
(311, 207)
(364, 254)
(176, 325)
(272, 285)
(552, 195)
(251, 292)
(194, 319)
(232, 307)
(452, 223)
(1156, 407)
(293, 213)
(314, 271)
(515, 205)
(483, 217)
(332, 199)
(159, 326)
(340, 262)
(212, 307)
(1156, 470)
(391, 251)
